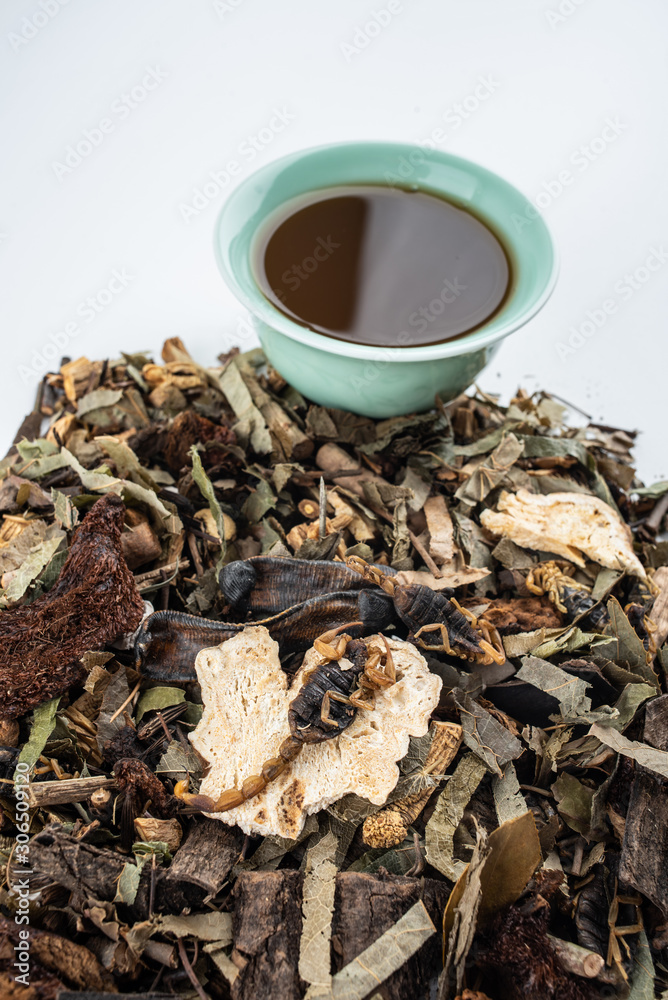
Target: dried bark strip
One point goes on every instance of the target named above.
(206, 857)
(645, 844)
(369, 905)
(53, 793)
(267, 930)
(71, 962)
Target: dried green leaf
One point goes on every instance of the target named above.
(483, 445)
(486, 737)
(250, 427)
(508, 799)
(318, 909)
(402, 543)
(388, 430)
(48, 576)
(259, 502)
(125, 460)
(461, 916)
(398, 861)
(353, 809)
(491, 472)
(98, 399)
(574, 802)
(158, 698)
(644, 977)
(470, 537)
(178, 761)
(628, 703)
(420, 489)
(31, 568)
(548, 447)
(41, 727)
(568, 641)
(646, 756)
(525, 642)
(128, 881)
(158, 847)
(630, 649)
(209, 494)
(39, 448)
(450, 807)
(352, 428)
(513, 856)
(116, 693)
(569, 691)
(654, 491)
(320, 424)
(605, 581)
(511, 556)
(66, 515)
(282, 472)
(272, 850)
(387, 954)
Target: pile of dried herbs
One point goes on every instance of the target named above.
(534, 856)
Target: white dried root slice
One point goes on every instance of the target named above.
(245, 720)
(571, 525)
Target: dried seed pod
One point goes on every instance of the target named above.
(389, 827)
(93, 601)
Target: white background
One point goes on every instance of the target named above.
(556, 69)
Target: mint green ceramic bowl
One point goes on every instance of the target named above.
(380, 381)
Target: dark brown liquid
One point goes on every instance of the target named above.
(382, 266)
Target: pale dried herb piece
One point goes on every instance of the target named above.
(483, 734)
(387, 954)
(440, 830)
(318, 906)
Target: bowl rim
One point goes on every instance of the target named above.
(263, 309)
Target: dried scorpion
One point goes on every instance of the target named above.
(424, 610)
(574, 600)
(325, 706)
